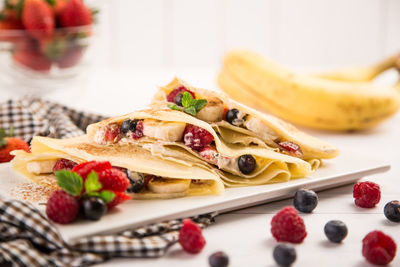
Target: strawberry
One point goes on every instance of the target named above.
(33, 60)
(38, 18)
(10, 24)
(74, 14)
(8, 144)
(70, 58)
(119, 198)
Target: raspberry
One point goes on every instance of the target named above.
(64, 164)
(62, 208)
(378, 248)
(112, 133)
(139, 130)
(196, 138)
(120, 197)
(85, 168)
(191, 237)
(113, 179)
(366, 194)
(180, 90)
(288, 226)
(291, 148)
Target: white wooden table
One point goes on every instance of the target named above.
(245, 234)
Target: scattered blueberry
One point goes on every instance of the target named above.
(136, 180)
(128, 125)
(231, 115)
(178, 99)
(246, 164)
(392, 211)
(335, 231)
(218, 259)
(284, 254)
(93, 208)
(305, 200)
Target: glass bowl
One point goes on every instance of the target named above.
(35, 63)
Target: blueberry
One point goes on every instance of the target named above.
(136, 180)
(284, 254)
(178, 99)
(232, 115)
(93, 208)
(218, 259)
(246, 164)
(392, 210)
(335, 231)
(305, 200)
(128, 125)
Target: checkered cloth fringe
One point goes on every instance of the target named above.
(32, 116)
(27, 238)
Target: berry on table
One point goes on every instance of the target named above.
(366, 194)
(191, 237)
(288, 226)
(62, 208)
(284, 254)
(335, 231)
(196, 138)
(93, 208)
(218, 259)
(378, 248)
(392, 211)
(246, 164)
(305, 200)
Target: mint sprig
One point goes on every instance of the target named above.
(72, 183)
(189, 104)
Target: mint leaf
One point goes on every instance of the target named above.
(92, 183)
(187, 99)
(93, 194)
(107, 195)
(190, 110)
(174, 107)
(199, 104)
(70, 182)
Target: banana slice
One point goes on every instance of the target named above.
(167, 131)
(168, 185)
(213, 111)
(39, 167)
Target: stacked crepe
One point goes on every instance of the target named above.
(193, 145)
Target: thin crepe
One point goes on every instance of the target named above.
(131, 157)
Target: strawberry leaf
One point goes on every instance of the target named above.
(92, 183)
(70, 182)
(107, 195)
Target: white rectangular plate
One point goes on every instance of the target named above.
(346, 168)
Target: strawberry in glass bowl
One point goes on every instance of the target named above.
(44, 43)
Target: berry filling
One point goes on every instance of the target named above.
(290, 148)
(196, 138)
(64, 164)
(112, 133)
(175, 95)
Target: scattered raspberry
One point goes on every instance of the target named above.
(112, 133)
(62, 208)
(120, 197)
(291, 148)
(9, 144)
(196, 138)
(64, 164)
(180, 90)
(85, 168)
(191, 237)
(378, 248)
(288, 226)
(139, 130)
(113, 179)
(366, 194)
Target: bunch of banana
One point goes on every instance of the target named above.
(340, 101)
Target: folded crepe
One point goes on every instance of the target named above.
(163, 178)
(240, 157)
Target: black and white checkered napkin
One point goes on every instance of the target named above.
(27, 238)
